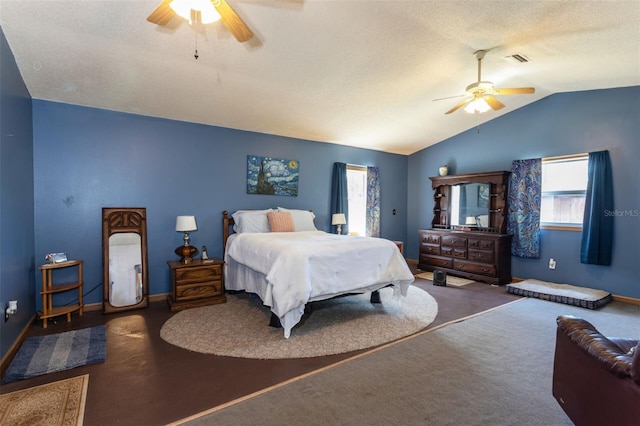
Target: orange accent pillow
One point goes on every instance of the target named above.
(281, 222)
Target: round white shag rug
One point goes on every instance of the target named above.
(240, 327)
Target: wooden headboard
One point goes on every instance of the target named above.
(227, 229)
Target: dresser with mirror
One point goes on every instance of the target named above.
(468, 236)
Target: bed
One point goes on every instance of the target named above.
(279, 255)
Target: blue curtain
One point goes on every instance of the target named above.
(339, 195)
(597, 224)
(373, 202)
(524, 207)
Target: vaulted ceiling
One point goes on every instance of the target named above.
(358, 73)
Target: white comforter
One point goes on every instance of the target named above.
(314, 265)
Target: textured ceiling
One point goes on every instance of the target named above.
(358, 73)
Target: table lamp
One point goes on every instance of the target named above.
(338, 219)
(186, 224)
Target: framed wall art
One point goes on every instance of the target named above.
(272, 176)
(483, 195)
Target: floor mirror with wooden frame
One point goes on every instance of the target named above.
(124, 259)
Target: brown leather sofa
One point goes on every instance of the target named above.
(596, 380)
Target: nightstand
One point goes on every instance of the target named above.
(197, 283)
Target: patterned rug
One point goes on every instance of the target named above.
(454, 281)
(57, 352)
(58, 403)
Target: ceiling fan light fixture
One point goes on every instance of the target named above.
(183, 8)
(478, 105)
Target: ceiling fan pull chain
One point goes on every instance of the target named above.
(195, 55)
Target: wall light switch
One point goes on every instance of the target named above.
(552, 263)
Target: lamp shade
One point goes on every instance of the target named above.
(477, 105)
(470, 220)
(338, 219)
(183, 8)
(186, 223)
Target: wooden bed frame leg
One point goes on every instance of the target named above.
(274, 321)
(375, 297)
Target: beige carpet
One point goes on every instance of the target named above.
(454, 281)
(58, 403)
(239, 328)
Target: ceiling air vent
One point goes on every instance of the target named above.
(517, 58)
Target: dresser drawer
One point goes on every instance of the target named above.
(198, 290)
(199, 273)
(459, 253)
(426, 237)
(454, 241)
(476, 268)
(481, 255)
(442, 262)
(481, 244)
(430, 249)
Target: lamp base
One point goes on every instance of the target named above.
(186, 253)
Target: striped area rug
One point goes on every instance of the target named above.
(57, 352)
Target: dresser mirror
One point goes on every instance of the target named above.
(469, 202)
(470, 205)
(124, 259)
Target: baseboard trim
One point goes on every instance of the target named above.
(152, 298)
(626, 299)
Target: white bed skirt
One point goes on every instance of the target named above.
(239, 277)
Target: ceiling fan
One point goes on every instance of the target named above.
(164, 12)
(482, 93)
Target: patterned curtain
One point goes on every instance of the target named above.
(339, 195)
(373, 202)
(524, 207)
(597, 225)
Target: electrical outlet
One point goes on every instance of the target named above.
(552, 263)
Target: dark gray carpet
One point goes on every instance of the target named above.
(492, 369)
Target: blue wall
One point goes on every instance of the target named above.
(560, 124)
(16, 199)
(86, 159)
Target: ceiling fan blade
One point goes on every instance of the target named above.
(493, 102)
(232, 21)
(515, 91)
(162, 14)
(459, 105)
(449, 97)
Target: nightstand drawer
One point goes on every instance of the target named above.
(198, 290)
(199, 273)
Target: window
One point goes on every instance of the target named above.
(564, 186)
(357, 194)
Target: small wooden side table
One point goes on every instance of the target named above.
(197, 283)
(49, 289)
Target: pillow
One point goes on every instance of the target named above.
(251, 221)
(281, 221)
(302, 219)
